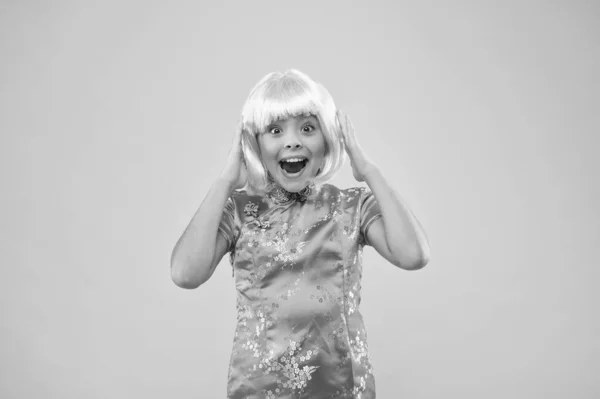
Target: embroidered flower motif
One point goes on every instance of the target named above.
(265, 224)
(251, 209)
(292, 370)
(262, 223)
(289, 250)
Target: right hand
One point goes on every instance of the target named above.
(235, 172)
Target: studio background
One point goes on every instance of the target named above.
(116, 117)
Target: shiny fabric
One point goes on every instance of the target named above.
(297, 262)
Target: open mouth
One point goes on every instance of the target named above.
(293, 165)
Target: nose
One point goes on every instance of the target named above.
(293, 142)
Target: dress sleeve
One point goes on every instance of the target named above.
(369, 212)
(227, 224)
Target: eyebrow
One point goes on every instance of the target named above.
(311, 118)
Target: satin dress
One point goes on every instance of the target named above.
(297, 263)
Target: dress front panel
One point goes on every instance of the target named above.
(298, 266)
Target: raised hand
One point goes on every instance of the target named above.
(361, 164)
(235, 170)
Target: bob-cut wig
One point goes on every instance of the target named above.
(280, 96)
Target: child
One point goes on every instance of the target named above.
(296, 244)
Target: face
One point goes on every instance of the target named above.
(293, 150)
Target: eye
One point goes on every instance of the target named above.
(274, 130)
(308, 128)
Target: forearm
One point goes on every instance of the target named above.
(404, 236)
(192, 257)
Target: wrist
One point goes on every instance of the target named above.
(371, 171)
(225, 183)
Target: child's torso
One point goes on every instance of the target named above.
(297, 268)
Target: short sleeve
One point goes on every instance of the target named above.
(227, 224)
(369, 212)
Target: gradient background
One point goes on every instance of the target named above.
(116, 117)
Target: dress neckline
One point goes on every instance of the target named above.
(280, 195)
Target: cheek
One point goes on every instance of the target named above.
(268, 150)
(321, 147)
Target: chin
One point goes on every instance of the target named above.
(294, 185)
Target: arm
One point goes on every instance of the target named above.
(200, 248)
(397, 235)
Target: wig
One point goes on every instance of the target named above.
(280, 96)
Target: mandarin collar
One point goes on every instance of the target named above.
(280, 195)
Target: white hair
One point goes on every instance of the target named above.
(280, 96)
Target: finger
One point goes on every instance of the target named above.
(348, 130)
(239, 131)
(238, 137)
(352, 131)
(349, 127)
(236, 141)
(341, 119)
(349, 122)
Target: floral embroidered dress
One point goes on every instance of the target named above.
(297, 262)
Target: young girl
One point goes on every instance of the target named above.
(296, 244)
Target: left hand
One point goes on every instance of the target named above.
(361, 164)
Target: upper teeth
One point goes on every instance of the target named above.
(293, 160)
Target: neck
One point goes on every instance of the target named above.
(280, 194)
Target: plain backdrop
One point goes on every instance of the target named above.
(116, 117)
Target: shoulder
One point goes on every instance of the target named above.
(352, 196)
(241, 196)
(350, 191)
(246, 204)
